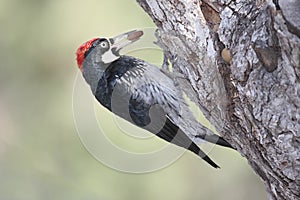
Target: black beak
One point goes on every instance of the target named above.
(125, 39)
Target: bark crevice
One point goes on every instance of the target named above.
(252, 97)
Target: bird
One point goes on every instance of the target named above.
(142, 93)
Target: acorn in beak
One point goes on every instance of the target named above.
(125, 39)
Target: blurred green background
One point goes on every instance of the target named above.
(41, 156)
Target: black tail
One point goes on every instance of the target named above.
(215, 139)
(194, 148)
(171, 133)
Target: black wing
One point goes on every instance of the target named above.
(154, 120)
(143, 110)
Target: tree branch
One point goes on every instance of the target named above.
(242, 63)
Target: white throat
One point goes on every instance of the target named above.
(109, 57)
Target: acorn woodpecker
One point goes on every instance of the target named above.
(141, 93)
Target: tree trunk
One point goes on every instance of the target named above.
(241, 65)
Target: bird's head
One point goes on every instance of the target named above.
(105, 50)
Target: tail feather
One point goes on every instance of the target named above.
(215, 139)
(171, 133)
(195, 149)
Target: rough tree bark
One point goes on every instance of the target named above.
(241, 61)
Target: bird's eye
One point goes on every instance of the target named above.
(104, 44)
